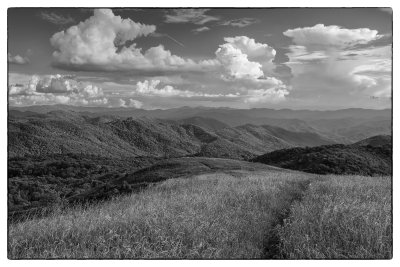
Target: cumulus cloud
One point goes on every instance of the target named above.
(243, 57)
(331, 36)
(152, 88)
(201, 29)
(242, 71)
(246, 65)
(95, 41)
(99, 43)
(56, 89)
(56, 18)
(242, 22)
(51, 99)
(17, 59)
(55, 84)
(134, 103)
(339, 61)
(195, 16)
(130, 103)
(255, 51)
(236, 64)
(266, 95)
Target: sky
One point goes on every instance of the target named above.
(297, 58)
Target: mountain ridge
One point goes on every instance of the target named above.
(341, 126)
(73, 132)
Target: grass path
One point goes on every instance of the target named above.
(227, 215)
(340, 217)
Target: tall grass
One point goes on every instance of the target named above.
(340, 217)
(210, 216)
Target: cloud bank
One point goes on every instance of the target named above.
(60, 89)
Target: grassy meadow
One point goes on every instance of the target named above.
(227, 215)
(217, 215)
(340, 217)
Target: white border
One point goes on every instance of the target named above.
(176, 3)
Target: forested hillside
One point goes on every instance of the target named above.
(60, 132)
(372, 156)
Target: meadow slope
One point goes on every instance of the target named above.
(341, 217)
(238, 214)
(221, 215)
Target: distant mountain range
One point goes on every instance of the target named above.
(57, 132)
(339, 126)
(372, 156)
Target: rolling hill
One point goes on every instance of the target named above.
(60, 132)
(341, 126)
(36, 184)
(372, 156)
(376, 141)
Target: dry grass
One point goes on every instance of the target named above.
(209, 216)
(341, 217)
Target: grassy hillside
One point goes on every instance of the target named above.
(219, 215)
(360, 158)
(222, 215)
(38, 185)
(163, 170)
(340, 217)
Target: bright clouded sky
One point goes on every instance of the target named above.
(164, 58)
